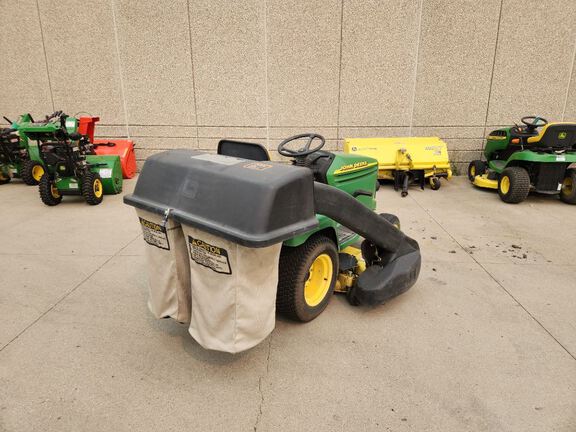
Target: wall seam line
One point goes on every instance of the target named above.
(569, 80)
(45, 56)
(193, 73)
(266, 90)
(413, 105)
(120, 70)
(493, 67)
(340, 70)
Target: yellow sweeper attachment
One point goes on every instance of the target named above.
(405, 159)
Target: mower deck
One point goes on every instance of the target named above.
(484, 182)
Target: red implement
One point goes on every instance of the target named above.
(122, 148)
(86, 126)
(119, 147)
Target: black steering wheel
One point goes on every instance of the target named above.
(534, 122)
(303, 151)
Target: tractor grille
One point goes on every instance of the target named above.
(549, 176)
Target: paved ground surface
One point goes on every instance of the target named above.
(486, 340)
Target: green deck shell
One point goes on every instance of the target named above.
(110, 172)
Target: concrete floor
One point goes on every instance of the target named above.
(485, 341)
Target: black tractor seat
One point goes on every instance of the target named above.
(555, 136)
(244, 150)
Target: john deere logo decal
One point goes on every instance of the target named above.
(354, 167)
(562, 135)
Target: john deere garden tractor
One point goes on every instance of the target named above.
(535, 156)
(320, 210)
(68, 159)
(16, 159)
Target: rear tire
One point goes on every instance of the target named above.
(49, 192)
(32, 172)
(303, 292)
(568, 191)
(393, 219)
(92, 188)
(514, 185)
(476, 167)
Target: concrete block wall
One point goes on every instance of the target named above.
(187, 73)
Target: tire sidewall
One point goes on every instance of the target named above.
(570, 199)
(515, 175)
(305, 311)
(88, 188)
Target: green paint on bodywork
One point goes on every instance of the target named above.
(496, 143)
(356, 179)
(110, 170)
(68, 185)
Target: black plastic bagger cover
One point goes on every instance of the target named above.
(255, 204)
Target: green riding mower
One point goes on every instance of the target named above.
(535, 156)
(15, 158)
(319, 211)
(69, 162)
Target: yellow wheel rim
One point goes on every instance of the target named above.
(37, 172)
(97, 186)
(505, 184)
(319, 279)
(54, 191)
(567, 186)
(473, 171)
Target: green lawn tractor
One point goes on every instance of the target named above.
(320, 209)
(69, 162)
(15, 160)
(535, 156)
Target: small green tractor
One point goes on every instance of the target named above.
(16, 159)
(68, 160)
(536, 156)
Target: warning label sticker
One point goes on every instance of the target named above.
(207, 255)
(258, 166)
(344, 235)
(155, 234)
(219, 159)
(106, 173)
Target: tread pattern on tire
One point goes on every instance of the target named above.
(570, 199)
(88, 188)
(26, 174)
(479, 168)
(45, 188)
(519, 185)
(292, 268)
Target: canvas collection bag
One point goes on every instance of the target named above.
(233, 291)
(168, 268)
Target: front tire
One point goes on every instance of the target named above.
(4, 178)
(514, 185)
(32, 172)
(92, 188)
(435, 183)
(49, 193)
(307, 277)
(568, 191)
(476, 168)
